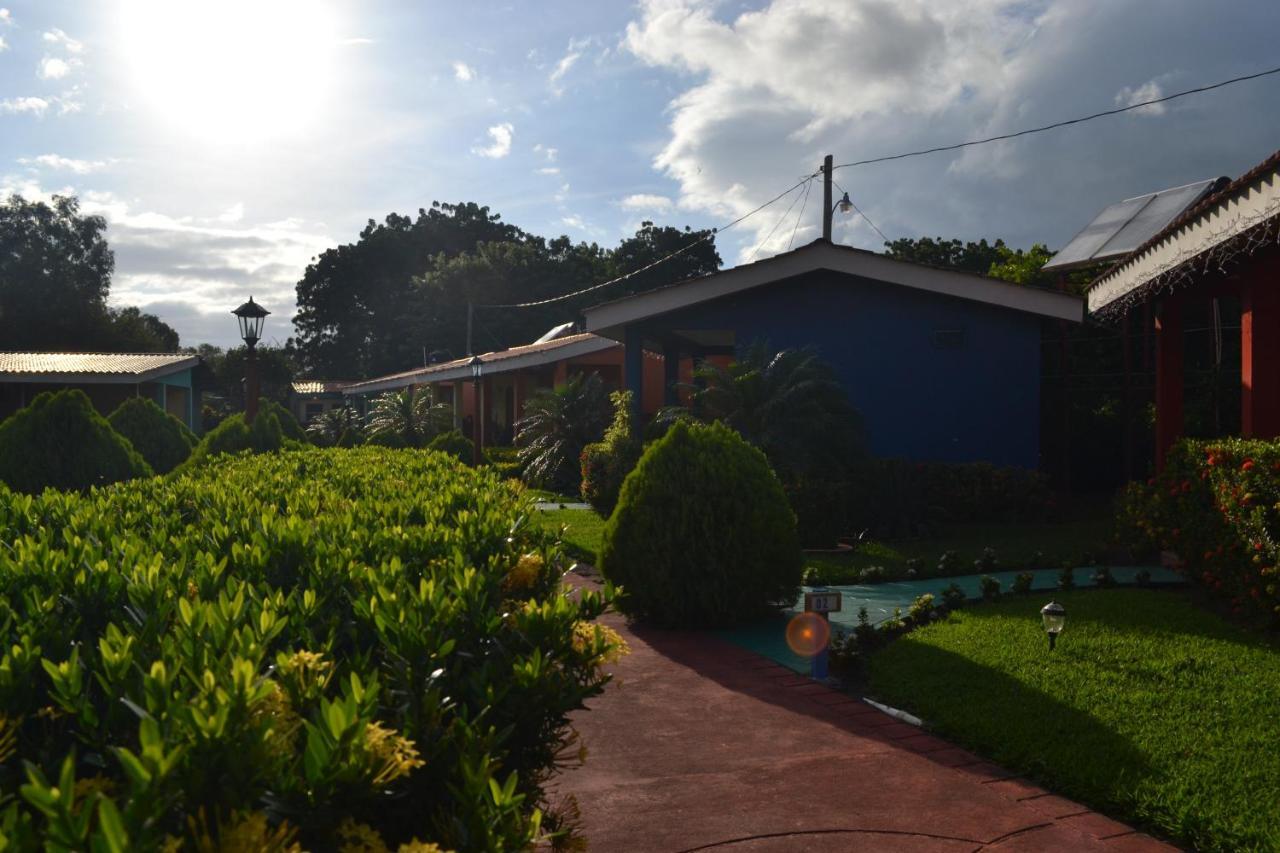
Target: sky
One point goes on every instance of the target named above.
(229, 143)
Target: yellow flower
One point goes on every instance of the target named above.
(284, 722)
(600, 641)
(305, 671)
(246, 832)
(359, 838)
(9, 737)
(393, 756)
(91, 785)
(416, 846)
(525, 573)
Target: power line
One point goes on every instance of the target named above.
(800, 215)
(1058, 124)
(710, 235)
(781, 218)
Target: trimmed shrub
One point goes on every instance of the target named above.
(953, 596)
(455, 444)
(702, 534)
(1216, 506)
(289, 426)
(233, 435)
(1022, 583)
(605, 464)
(61, 442)
(505, 461)
(163, 440)
(187, 665)
(990, 587)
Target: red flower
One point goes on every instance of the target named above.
(1213, 460)
(1248, 463)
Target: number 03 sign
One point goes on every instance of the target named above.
(822, 602)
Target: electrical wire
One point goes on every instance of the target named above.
(860, 213)
(708, 236)
(1057, 124)
(800, 215)
(781, 218)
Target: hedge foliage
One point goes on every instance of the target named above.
(1216, 505)
(289, 426)
(456, 445)
(233, 435)
(606, 463)
(163, 440)
(307, 649)
(61, 442)
(702, 534)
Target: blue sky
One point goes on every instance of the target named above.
(228, 143)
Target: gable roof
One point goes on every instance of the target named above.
(98, 367)
(501, 361)
(608, 318)
(319, 386)
(1244, 208)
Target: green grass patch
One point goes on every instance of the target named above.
(583, 531)
(1150, 709)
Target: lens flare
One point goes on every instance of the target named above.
(808, 634)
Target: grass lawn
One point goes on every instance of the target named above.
(584, 531)
(1151, 709)
(1084, 531)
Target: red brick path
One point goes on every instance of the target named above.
(700, 745)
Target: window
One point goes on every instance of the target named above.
(948, 338)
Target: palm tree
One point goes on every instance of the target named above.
(330, 426)
(789, 404)
(408, 418)
(556, 425)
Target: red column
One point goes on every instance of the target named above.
(1259, 359)
(1168, 376)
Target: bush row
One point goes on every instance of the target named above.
(325, 648)
(1216, 506)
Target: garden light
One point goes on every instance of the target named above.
(251, 316)
(1054, 616)
(477, 434)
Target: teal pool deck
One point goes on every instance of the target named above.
(768, 638)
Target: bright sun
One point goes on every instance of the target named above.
(231, 70)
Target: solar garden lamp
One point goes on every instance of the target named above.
(477, 373)
(1054, 617)
(251, 317)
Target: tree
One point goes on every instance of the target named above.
(556, 425)
(130, 330)
(950, 254)
(276, 369)
(55, 273)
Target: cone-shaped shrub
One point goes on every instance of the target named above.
(702, 534)
(60, 441)
(289, 426)
(234, 435)
(163, 440)
(455, 444)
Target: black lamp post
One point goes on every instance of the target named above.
(1054, 617)
(477, 430)
(251, 316)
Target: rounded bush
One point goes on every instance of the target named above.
(455, 444)
(61, 442)
(702, 534)
(163, 440)
(289, 426)
(234, 435)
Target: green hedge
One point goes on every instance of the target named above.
(606, 463)
(163, 440)
(317, 647)
(702, 534)
(61, 442)
(1216, 505)
(233, 435)
(456, 445)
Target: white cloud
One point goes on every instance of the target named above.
(1149, 91)
(356, 40)
(549, 153)
(500, 136)
(58, 163)
(3, 44)
(647, 202)
(562, 193)
(58, 37)
(464, 72)
(234, 213)
(53, 68)
(6, 19)
(35, 106)
(549, 170)
(572, 55)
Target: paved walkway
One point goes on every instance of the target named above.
(701, 745)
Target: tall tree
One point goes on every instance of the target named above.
(55, 273)
(951, 254)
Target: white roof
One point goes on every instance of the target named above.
(99, 367)
(609, 318)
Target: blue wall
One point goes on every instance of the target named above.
(977, 402)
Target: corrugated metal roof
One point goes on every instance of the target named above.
(92, 363)
(320, 386)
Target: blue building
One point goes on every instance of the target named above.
(942, 365)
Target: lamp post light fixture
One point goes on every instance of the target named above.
(1054, 617)
(251, 317)
(477, 432)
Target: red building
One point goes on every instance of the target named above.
(1227, 244)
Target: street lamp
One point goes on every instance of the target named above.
(477, 373)
(1054, 617)
(251, 317)
(844, 205)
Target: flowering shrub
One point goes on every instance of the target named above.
(322, 649)
(1216, 505)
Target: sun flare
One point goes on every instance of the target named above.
(235, 70)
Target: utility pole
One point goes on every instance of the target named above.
(826, 198)
(471, 309)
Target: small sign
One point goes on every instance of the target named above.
(822, 602)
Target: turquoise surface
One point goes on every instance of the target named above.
(768, 638)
